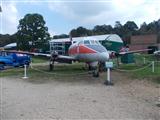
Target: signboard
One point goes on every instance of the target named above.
(109, 64)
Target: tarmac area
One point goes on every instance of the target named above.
(81, 97)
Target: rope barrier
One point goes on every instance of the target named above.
(152, 60)
(134, 69)
(157, 61)
(60, 74)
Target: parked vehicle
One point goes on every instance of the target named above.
(13, 59)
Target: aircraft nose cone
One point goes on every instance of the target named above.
(105, 56)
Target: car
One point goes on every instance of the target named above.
(13, 59)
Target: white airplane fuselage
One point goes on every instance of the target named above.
(88, 51)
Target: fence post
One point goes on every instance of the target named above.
(108, 65)
(144, 60)
(153, 68)
(31, 64)
(25, 72)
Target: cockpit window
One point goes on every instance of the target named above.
(89, 42)
(86, 42)
(97, 42)
(94, 42)
(81, 42)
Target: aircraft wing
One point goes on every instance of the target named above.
(20, 52)
(58, 58)
(65, 59)
(134, 51)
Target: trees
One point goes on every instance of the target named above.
(118, 28)
(143, 28)
(4, 39)
(130, 26)
(7, 39)
(73, 33)
(102, 29)
(60, 36)
(80, 31)
(32, 32)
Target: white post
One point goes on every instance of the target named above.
(31, 64)
(108, 81)
(144, 60)
(153, 66)
(25, 72)
(108, 65)
(108, 75)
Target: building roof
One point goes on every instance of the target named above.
(109, 37)
(11, 45)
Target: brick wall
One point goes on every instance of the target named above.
(143, 39)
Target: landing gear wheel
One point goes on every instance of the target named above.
(1, 66)
(108, 83)
(51, 67)
(95, 73)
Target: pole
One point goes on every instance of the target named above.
(144, 60)
(108, 75)
(31, 64)
(25, 72)
(108, 81)
(153, 67)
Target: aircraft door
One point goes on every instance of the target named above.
(78, 46)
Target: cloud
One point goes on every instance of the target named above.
(77, 10)
(83, 12)
(52, 32)
(107, 12)
(9, 18)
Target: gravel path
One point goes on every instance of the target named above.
(85, 98)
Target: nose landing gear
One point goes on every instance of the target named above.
(96, 72)
(94, 67)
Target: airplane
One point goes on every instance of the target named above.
(87, 50)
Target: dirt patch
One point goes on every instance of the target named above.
(79, 97)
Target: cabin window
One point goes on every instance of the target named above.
(74, 41)
(86, 42)
(92, 42)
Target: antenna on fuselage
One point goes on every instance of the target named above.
(0, 9)
(70, 37)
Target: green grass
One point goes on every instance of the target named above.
(41, 74)
(19, 71)
(39, 60)
(77, 69)
(60, 70)
(134, 71)
(11, 72)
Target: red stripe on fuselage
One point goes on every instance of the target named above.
(85, 50)
(80, 50)
(73, 50)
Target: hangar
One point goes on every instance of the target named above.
(112, 42)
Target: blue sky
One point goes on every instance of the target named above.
(63, 15)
